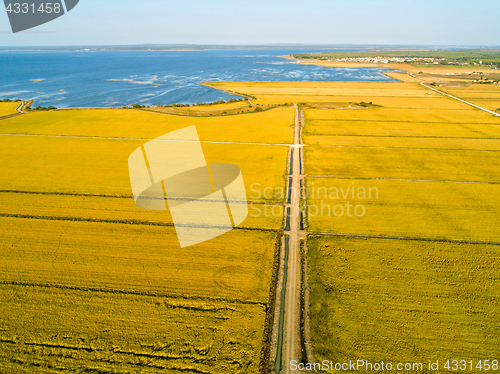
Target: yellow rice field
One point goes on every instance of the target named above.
(484, 95)
(421, 174)
(80, 330)
(400, 129)
(440, 69)
(89, 282)
(114, 275)
(417, 209)
(302, 92)
(403, 142)
(71, 235)
(100, 166)
(217, 107)
(7, 109)
(428, 102)
(398, 163)
(405, 115)
(272, 126)
(403, 77)
(110, 209)
(136, 258)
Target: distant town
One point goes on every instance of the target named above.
(386, 60)
(476, 57)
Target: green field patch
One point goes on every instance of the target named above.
(429, 102)
(484, 95)
(114, 210)
(46, 329)
(398, 301)
(421, 164)
(137, 259)
(404, 115)
(434, 210)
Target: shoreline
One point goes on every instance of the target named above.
(337, 76)
(398, 73)
(208, 84)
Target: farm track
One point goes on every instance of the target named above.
(270, 144)
(65, 194)
(119, 222)
(414, 148)
(11, 116)
(405, 238)
(400, 179)
(396, 137)
(114, 196)
(140, 139)
(402, 121)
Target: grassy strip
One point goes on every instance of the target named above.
(135, 293)
(303, 351)
(279, 355)
(270, 308)
(123, 222)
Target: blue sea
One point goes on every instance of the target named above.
(86, 79)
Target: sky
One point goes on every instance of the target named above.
(382, 22)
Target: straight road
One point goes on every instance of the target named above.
(294, 281)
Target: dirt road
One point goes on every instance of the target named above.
(292, 309)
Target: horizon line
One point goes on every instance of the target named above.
(159, 46)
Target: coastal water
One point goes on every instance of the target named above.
(83, 79)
